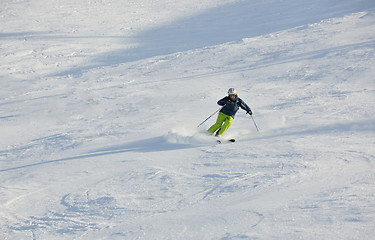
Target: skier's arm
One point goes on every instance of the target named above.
(222, 101)
(244, 106)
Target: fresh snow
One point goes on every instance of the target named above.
(100, 102)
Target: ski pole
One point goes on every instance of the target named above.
(210, 116)
(254, 123)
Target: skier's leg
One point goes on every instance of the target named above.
(220, 119)
(227, 122)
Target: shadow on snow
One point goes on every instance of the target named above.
(231, 22)
(156, 144)
(332, 129)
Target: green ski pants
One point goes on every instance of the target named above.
(223, 121)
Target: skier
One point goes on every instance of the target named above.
(231, 104)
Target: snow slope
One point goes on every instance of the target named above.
(100, 102)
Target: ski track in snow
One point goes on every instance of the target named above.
(100, 102)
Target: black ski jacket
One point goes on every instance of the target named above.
(231, 107)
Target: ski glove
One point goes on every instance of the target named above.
(250, 112)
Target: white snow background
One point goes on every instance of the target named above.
(100, 102)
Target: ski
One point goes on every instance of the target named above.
(229, 140)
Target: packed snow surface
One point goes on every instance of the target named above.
(100, 102)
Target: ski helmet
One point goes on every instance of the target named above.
(232, 91)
